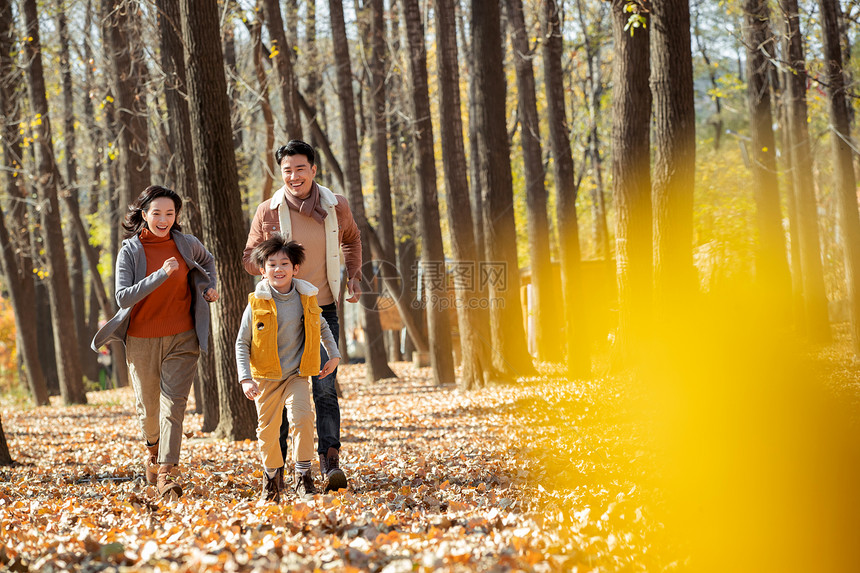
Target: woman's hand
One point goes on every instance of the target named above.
(251, 389)
(170, 265)
(210, 294)
(329, 367)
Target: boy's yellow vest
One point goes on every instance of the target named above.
(265, 361)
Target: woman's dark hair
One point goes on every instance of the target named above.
(295, 147)
(134, 223)
(277, 243)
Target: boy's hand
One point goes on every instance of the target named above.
(210, 295)
(329, 367)
(251, 389)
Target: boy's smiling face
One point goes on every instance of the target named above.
(279, 271)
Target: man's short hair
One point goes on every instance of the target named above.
(275, 244)
(295, 147)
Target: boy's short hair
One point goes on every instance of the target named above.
(277, 243)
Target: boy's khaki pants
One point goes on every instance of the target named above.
(295, 393)
(162, 371)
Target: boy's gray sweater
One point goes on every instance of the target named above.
(291, 330)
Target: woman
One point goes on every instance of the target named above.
(164, 280)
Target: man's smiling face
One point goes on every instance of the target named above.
(298, 175)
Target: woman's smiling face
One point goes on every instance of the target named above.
(160, 216)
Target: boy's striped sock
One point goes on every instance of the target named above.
(303, 467)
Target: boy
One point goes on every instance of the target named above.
(277, 349)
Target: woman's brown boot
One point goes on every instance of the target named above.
(150, 464)
(167, 487)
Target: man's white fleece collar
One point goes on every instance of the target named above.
(263, 290)
(327, 198)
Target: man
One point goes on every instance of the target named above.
(322, 222)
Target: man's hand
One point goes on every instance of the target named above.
(251, 389)
(329, 367)
(210, 295)
(354, 288)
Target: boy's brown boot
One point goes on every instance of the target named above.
(284, 477)
(272, 486)
(150, 464)
(333, 476)
(305, 487)
(167, 487)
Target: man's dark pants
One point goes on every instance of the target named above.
(325, 398)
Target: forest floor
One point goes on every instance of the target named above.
(543, 475)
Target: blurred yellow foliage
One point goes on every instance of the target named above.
(8, 345)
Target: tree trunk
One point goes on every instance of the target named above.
(5, 456)
(16, 261)
(715, 120)
(777, 83)
(631, 181)
(475, 180)
(130, 92)
(80, 234)
(317, 128)
(97, 139)
(510, 354)
(313, 78)
(117, 349)
(473, 321)
(435, 284)
(65, 336)
(845, 185)
(117, 201)
(291, 11)
(179, 124)
(378, 61)
(377, 365)
(220, 205)
(23, 307)
(98, 288)
(45, 336)
(598, 200)
(282, 54)
(317, 131)
(675, 157)
(593, 92)
(269, 120)
(232, 79)
(576, 330)
(845, 43)
(89, 365)
(404, 200)
(771, 264)
(543, 288)
(815, 299)
(407, 262)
